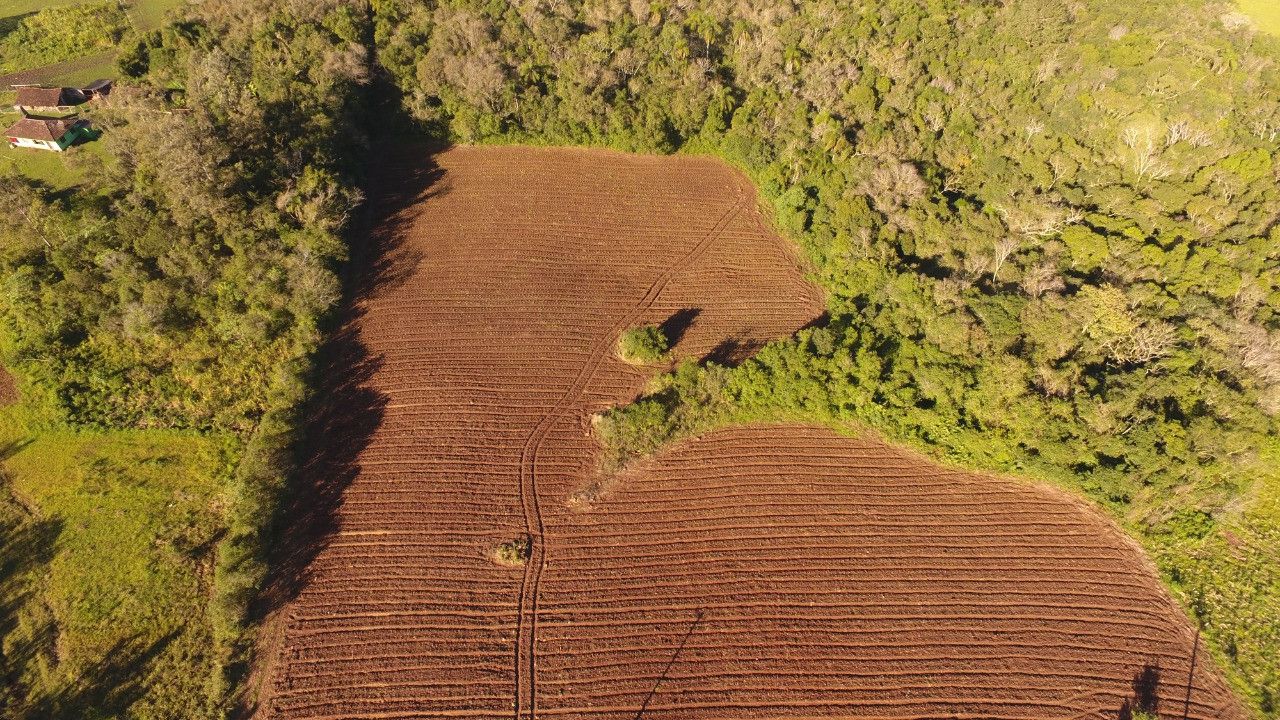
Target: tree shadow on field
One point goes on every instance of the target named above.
(345, 410)
(381, 255)
(1145, 702)
(106, 688)
(11, 23)
(13, 447)
(340, 420)
(27, 546)
(675, 327)
(734, 350)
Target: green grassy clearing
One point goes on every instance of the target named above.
(146, 14)
(1266, 13)
(54, 169)
(106, 569)
(80, 71)
(70, 66)
(13, 8)
(150, 14)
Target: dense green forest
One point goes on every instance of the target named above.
(1047, 230)
(182, 286)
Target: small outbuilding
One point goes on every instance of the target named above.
(98, 89)
(48, 100)
(55, 134)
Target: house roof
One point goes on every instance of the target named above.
(48, 97)
(39, 129)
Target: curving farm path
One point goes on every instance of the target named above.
(759, 572)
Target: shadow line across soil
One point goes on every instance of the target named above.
(344, 412)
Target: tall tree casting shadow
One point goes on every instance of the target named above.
(1145, 702)
(346, 410)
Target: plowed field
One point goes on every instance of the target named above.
(762, 572)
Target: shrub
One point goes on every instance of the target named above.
(61, 33)
(643, 345)
(513, 553)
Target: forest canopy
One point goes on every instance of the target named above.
(173, 287)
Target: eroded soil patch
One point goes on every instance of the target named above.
(8, 388)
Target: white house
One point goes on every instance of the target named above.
(45, 134)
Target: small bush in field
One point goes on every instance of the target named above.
(643, 345)
(513, 553)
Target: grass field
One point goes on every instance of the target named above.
(105, 568)
(12, 8)
(58, 170)
(150, 14)
(72, 68)
(75, 72)
(1266, 13)
(146, 14)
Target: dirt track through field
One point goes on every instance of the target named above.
(761, 572)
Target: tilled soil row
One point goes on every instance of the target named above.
(497, 301)
(758, 572)
(1035, 606)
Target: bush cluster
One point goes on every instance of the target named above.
(61, 33)
(643, 345)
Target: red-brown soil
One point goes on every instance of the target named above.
(763, 572)
(8, 388)
(792, 572)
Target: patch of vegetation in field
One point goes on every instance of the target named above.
(1039, 257)
(60, 33)
(643, 345)
(1265, 13)
(513, 553)
(106, 569)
